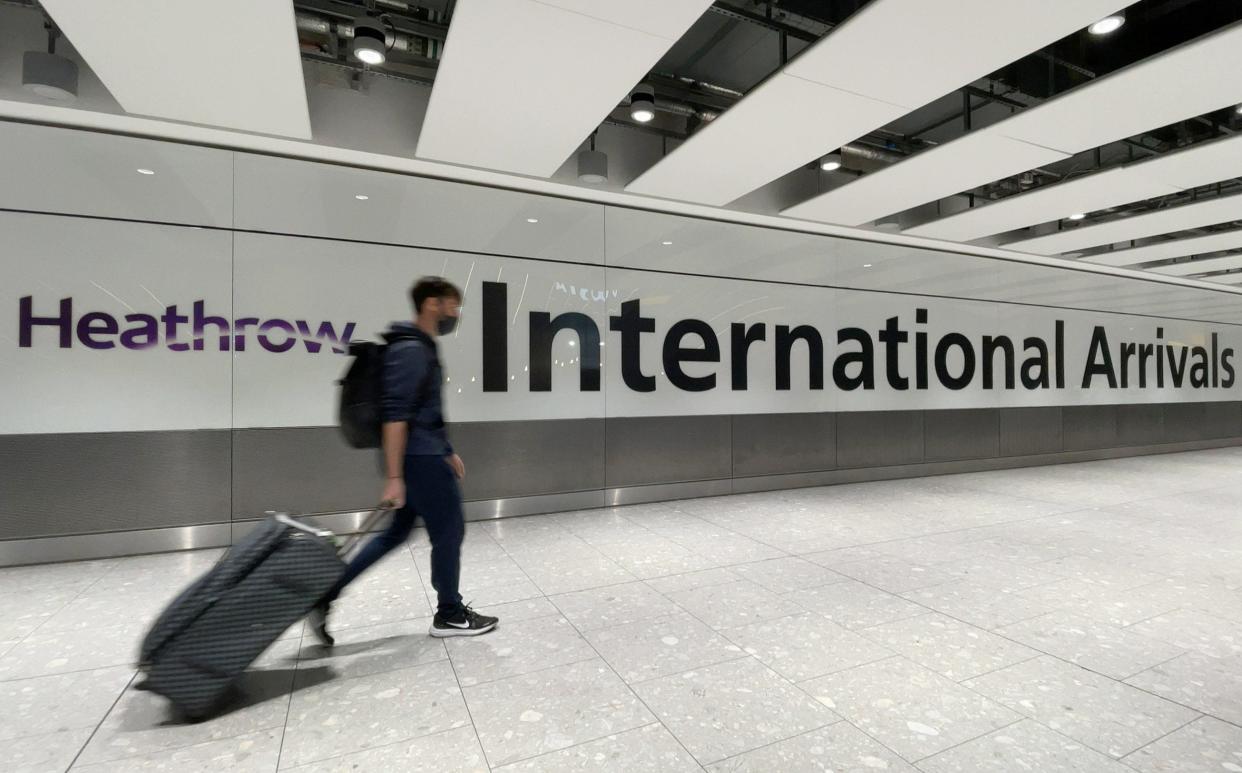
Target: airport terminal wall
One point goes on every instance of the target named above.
(173, 320)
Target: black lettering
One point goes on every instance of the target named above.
(496, 337)
(1177, 367)
(1199, 377)
(962, 380)
(920, 351)
(631, 324)
(675, 354)
(1128, 350)
(893, 337)
(990, 347)
(864, 358)
(1145, 353)
(1060, 349)
(1227, 366)
(743, 337)
(1038, 361)
(1099, 350)
(1160, 354)
(1215, 361)
(543, 330)
(785, 339)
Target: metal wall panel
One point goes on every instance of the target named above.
(961, 434)
(668, 449)
(1085, 427)
(61, 484)
(301, 470)
(506, 459)
(781, 443)
(879, 438)
(1186, 421)
(1140, 424)
(1224, 419)
(1030, 431)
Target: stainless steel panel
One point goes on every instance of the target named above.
(301, 470)
(1030, 431)
(961, 434)
(490, 509)
(633, 495)
(1224, 419)
(62, 484)
(879, 438)
(1139, 425)
(46, 550)
(780, 443)
(1186, 421)
(1086, 427)
(506, 459)
(667, 449)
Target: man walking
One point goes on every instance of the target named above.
(421, 465)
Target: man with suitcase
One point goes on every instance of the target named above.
(421, 466)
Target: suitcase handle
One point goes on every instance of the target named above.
(367, 527)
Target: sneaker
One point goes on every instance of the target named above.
(466, 622)
(318, 620)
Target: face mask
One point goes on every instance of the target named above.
(446, 325)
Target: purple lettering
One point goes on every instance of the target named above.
(27, 320)
(276, 324)
(326, 331)
(201, 321)
(171, 319)
(97, 323)
(239, 326)
(148, 329)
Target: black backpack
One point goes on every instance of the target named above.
(360, 414)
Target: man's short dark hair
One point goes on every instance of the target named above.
(432, 287)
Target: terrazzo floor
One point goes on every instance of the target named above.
(1082, 618)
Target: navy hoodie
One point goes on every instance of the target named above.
(412, 382)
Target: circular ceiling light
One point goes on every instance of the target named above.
(361, 196)
(532, 220)
(50, 76)
(830, 162)
(642, 103)
(1078, 216)
(370, 44)
(1108, 24)
(146, 171)
(593, 167)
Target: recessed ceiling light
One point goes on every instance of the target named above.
(146, 171)
(532, 220)
(667, 244)
(1108, 24)
(1238, 109)
(866, 265)
(830, 162)
(361, 196)
(1078, 216)
(571, 343)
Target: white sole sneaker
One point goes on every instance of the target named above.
(445, 633)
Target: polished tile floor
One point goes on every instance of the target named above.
(1081, 618)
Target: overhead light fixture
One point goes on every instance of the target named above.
(361, 196)
(1078, 216)
(667, 244)
(146, 171)
(532, 220)
(593, 165)
(866, 265)
(1238, 109)
(642, 103)
(370, 44)
(47, 74)
(830, 162)
(1108, 24)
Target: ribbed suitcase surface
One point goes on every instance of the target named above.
(217, 627)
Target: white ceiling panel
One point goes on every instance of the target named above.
(1223, 263)
(522, 83)
(913, 51)
(890, 58)
(1148, 224)
(790, 114)
(1201, 164)
(1192, 79)
(1051, 202)
(156, 59)
(955, 166)
(1176, 248)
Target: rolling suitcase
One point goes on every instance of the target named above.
(217, 626)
